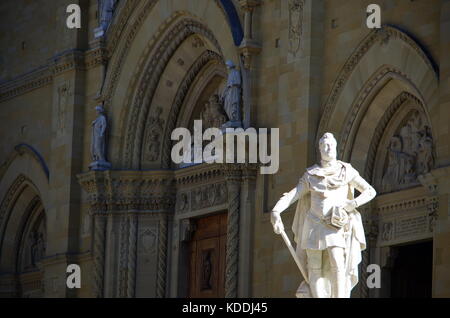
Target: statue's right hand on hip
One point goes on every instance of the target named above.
(277, 223)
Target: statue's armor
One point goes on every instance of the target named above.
(319, 235)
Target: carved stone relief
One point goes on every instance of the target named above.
(407, 221)
(433, 206)
(197, 42)
(86, 225)
(63, 97)
(410, 153)
(154, 135)
(387, 229)
(295, 25)
(213, 114)
(34, 246)
(202, 197)
(147, 242)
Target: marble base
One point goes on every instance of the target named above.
(100, 166)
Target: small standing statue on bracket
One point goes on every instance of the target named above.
(98, 142)
(232, 97)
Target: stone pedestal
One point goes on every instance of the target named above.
(100, 165)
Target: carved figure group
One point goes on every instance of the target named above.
(410, 153)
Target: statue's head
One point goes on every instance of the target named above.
(327, 147)
(99, 109)
(230, 64)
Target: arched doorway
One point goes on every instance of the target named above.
(23, 241)
(382, 110)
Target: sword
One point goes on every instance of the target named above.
(294, 255)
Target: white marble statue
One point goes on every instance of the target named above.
(327, 227)
(98, 141)
(232, 96)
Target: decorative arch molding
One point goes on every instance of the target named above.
(125, 10)
(23, 193)
(10, 198)
(24, 164)
(407, 59)
(22, 240)
(140, 105)
(33, 217)
(368, 93)
(207, 58)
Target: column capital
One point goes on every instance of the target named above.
(249, 5)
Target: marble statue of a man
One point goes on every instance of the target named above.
(232, 95)
(327, 227)
(98, 141)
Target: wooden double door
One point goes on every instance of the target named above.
(207, 257)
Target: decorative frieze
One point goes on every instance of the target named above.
(44, 75)
(23, 84)
(128, 190)
(406, 220)
(202, 197)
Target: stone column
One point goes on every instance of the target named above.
(371, 227)
(248, 48)
(233, 178)
(161, 281)
(438, 183)
(99, 253)
(132, 245)
(247, 216)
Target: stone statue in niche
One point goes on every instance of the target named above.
(327, 227)
(106, 10)
(213, 114)
(232, 96)
(156, 126)
(410, 154)
(98, 141)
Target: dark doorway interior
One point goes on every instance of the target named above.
(411, 275)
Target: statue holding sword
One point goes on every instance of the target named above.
(327, 227)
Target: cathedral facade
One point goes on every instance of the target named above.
(97, 187)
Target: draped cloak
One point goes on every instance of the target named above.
(355, 241)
